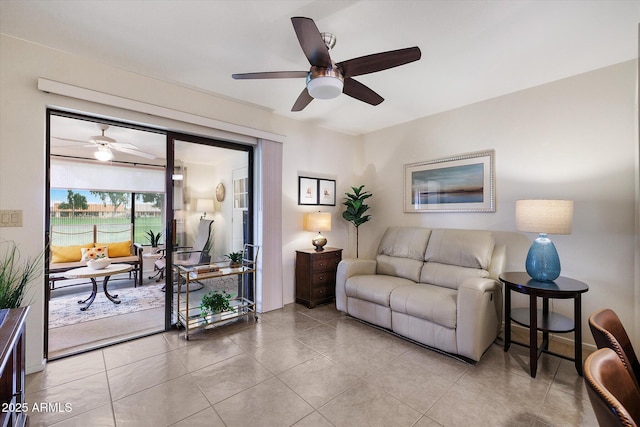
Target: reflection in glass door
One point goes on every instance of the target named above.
(205, 224)
(240, 208)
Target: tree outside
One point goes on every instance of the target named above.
(74, 201)
(115, 199)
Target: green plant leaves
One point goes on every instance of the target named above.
(16, 275)
(234, 256)
(356, 208)
(154, 239)
(216, 302)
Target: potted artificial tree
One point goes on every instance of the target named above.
(356, 208)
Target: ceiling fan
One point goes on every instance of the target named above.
(327, 79)
(104, 145)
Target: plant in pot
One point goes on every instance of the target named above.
(356, 209)
(235, 258)
(154, 238)
(216, 302)
(15, 275)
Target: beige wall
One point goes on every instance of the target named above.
(574, 138)
(22, 148)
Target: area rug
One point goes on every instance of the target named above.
(64, 311)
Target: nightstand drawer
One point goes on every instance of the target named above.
(323, 278)
(327, 263)
(323, 292)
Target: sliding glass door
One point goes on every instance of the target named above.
(144, 195)
(211, 199)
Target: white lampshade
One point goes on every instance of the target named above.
(317, 221)
(544, 216)
(325, 87)
(205, 205)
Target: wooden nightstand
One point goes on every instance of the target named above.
(316, 275)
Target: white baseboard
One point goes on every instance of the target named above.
(35, 368)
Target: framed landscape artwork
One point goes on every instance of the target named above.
(463, 183)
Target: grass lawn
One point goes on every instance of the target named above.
(142, 225)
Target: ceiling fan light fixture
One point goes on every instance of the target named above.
(325, 79)
(325, 87)
(104, 154)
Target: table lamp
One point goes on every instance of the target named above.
(204, 205)
(318, 221)
(544, 217)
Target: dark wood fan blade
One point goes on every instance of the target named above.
(311, 42)
(357, 90)
(378, 61)
(272, 75)
(303, 100)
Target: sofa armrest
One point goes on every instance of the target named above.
(479, 316)
(138, 249)
(498, 261)
(350, 267)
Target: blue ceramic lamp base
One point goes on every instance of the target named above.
(543, 263)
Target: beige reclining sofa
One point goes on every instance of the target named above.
(438, 287)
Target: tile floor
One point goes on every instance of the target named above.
(305, 368)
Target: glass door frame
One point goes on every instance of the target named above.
(172, 137)
(51, 111)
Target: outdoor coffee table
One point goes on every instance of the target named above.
(89, 273)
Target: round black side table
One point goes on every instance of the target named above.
(543, 320)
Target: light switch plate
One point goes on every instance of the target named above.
(11, 218)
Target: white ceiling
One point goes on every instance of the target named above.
(471, 49)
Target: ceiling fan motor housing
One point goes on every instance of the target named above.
(325, 83)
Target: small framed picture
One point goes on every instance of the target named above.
(327, 192)
(307, 191)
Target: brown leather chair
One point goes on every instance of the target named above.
(608, 332)
(613, 393)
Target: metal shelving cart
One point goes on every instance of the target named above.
(188, 311)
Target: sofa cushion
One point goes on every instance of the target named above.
(118, 249)
(61, 267)
(72, 253)
(465, 248)
(433, 303)
(375, 288)
(401, 252)
(399, 267)
(450, 276)
(405, 242)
